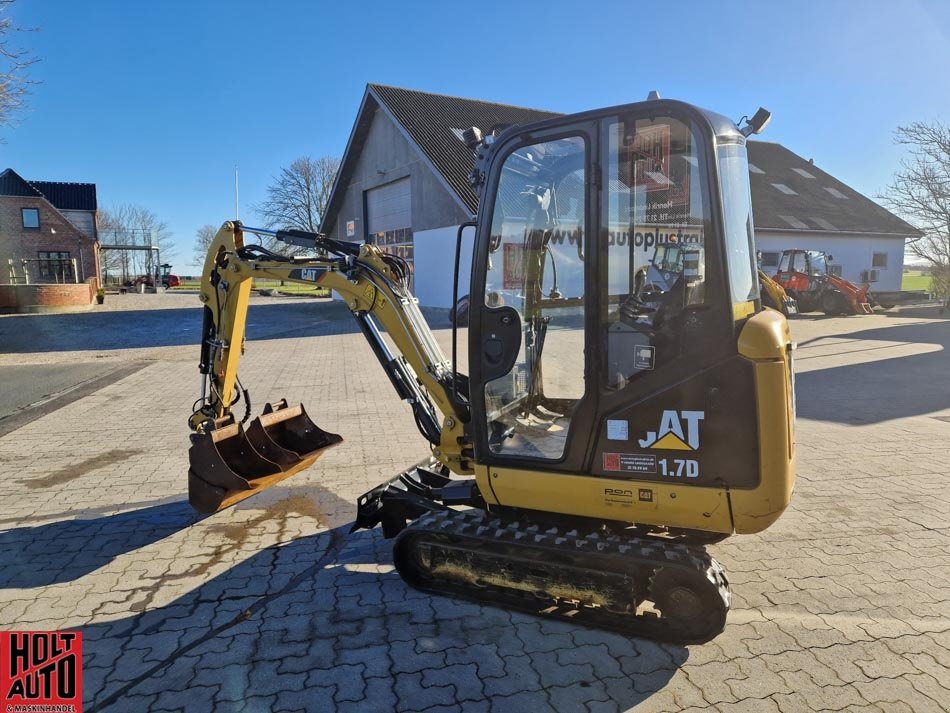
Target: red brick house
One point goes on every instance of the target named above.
(50, 224)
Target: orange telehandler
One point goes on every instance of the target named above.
(805, 276)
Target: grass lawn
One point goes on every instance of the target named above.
(915, 280)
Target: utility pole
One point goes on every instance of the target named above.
(237, 208)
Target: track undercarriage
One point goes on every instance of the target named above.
(644, 586)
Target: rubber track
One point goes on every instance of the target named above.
(479, 531)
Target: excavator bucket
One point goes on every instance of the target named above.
(229, 463)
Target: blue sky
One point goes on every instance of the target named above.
(156, 101)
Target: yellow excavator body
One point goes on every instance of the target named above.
(606, 432)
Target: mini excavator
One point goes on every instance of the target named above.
(600, 439)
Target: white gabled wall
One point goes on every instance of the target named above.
(435, 254)
(852, 252)
(435, 264)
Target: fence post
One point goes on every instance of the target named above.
(26, 273)
(75, 272)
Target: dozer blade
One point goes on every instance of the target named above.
(228, 464)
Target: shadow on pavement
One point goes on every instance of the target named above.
(338, 627)
(913, 311)
(881, 390)
(65, 550)
(136, 329)
(922, 311)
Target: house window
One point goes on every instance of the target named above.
(31, 217)
(879, 260)
(769, 259)
(55, 265)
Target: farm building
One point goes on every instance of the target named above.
(403, 184)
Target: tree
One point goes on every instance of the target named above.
(920, 193)
(131, 224)
(297, 197)
(203, 237)
(14, 61)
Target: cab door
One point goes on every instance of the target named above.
(532, 307)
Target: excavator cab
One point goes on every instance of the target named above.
(571, 370)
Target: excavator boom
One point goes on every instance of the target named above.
(229, 462)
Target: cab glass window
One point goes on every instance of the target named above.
(737, 217)
(657, 222)
(536, 266)
(800, 262)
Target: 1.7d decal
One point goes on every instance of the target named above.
(678, 431)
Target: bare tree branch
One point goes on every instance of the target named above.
(130, 224)
(920, 192)
(15, 82)
(203, 238)
(297, 197)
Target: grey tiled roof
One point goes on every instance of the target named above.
(813, 205)
(430, 119)
(11, 184)
(68, 196)
(64, 196)
(434, 123)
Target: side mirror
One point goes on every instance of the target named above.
(757, 124)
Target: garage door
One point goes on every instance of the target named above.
(389, 207)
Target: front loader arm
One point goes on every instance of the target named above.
(374, 288)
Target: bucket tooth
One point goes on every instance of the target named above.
(228, 464)
(270, 408)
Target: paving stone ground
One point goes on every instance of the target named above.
(843, 605)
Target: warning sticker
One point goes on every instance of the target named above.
(372, 293)
(644, 357)
(618, 430)
(629, 463)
